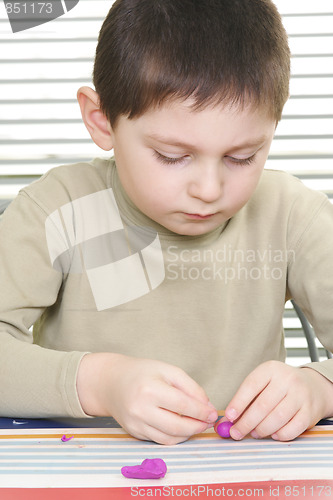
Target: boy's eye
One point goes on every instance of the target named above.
(169, 160)
(242, 161)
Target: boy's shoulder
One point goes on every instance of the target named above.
(284, 201)
(280, 179)
(277, 186)
(69, 182)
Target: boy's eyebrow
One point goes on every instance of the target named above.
(172, 141)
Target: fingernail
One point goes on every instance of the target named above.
(235, 434)
(211, 417)
(255, 435)
(231, 414)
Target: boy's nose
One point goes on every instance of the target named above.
(206, 184)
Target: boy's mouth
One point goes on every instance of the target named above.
(199, 216)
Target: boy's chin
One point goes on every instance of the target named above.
(193, 229)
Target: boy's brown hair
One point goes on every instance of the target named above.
(214, 51)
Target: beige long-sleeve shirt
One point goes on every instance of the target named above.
(92, 273)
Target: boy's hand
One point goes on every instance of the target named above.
(280, 401)
(151, 400)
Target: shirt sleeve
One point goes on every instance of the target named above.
(310, 272)
(35, 381)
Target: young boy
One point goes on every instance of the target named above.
(156, 281)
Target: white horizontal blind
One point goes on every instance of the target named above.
(40, 72)
(40, 123)
(303, 144)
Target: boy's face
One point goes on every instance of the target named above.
(191, 171)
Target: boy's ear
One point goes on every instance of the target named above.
(94, 119)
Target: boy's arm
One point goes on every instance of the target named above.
(276, 399)
(41, 382)
(150, 399)
(35, 382)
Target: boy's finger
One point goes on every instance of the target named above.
(267, 413)
(177, 427)
(298, 424)
(252, 386)
(178, 402)
(181, 380)
(164, 432)
(277, 418)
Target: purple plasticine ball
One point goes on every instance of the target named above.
(223, 429)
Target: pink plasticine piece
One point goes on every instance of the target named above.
(150, 468)
(64, 439)
(223, 428)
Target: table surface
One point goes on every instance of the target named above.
(33, 458)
